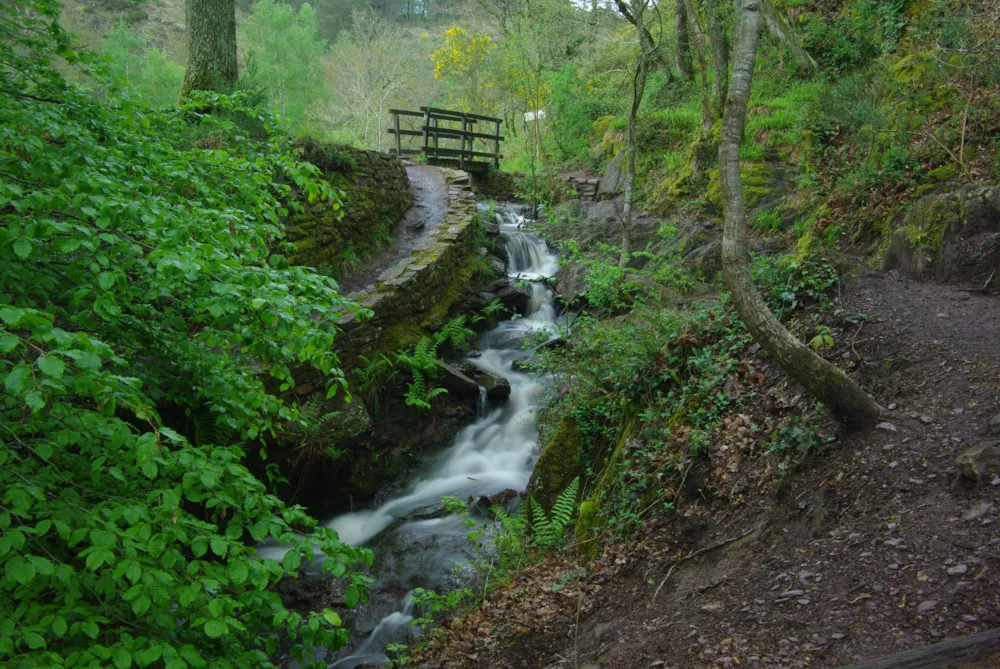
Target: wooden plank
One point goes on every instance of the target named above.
(427, 122)
(446, 133)
(403, 112)
(477, 117)
(461, 159)
(496, 143)
(978, 651)
(399, 138)
(458, 152)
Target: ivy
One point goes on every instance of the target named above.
(143, 276)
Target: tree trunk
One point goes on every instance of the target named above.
(720, 56)
(682, 52)
(782, 32)
(211, 46)
(845, 398)
(638, 88)
(646, 39)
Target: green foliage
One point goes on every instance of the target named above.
(141, 269)
(425, 368)
(456, 333)
(284, 51)
(130, 62)
(788, 282)
(548, 531)
(768, 221)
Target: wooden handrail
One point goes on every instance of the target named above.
(431, 133)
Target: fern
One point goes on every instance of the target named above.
(548, 530)
(208, 430)
(424, 367)
(455, 332)
(376, 372)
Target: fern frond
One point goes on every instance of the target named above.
(565, 506)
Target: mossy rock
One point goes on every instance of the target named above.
(558, 464)
(588, 524)
(943, 173)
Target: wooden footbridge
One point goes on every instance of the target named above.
(439, 130)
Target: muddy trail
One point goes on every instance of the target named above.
(430, 202)
(873, 547)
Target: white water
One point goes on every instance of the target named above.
(493, 454)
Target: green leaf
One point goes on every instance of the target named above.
(8, 343)
(140, 605)
(292, 560)
(219, 546)
(51, 365)
(35, 401)
(122, 658)
(352, 595)
(11, 316)
(34, 640)
(332, 617)
(59, 627)
(18, 380)
(22, 248)
(238, 572)
(216, 629)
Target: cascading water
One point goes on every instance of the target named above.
(494, 454)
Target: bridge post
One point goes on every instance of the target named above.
(461, 155)
(399, 143)
(496, 147)
(427, 123)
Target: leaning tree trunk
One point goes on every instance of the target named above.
(211, 46)
(682, 52)
(646, 40)
(698, 36)
(845, 398)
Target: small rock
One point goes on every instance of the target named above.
(975, 461)
(970, 619)
(894, 566)
(793, 593)
(917, 481)
(926, 605)
(803, 601)
(926, 420)
(838, 637)
(996, 481)
(978, 511)
(895, 543)
(888, 427)
(601, 630)
(878, 587)
(958, 570)
(888, 447)
(892, 407)
(756, 347)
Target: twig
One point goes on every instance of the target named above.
(576, 632)
(696, 553)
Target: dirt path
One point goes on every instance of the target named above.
(430, 202)
(872, 549)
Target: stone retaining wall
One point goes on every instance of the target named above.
(415, 296)
(496, 185)
(376, 195)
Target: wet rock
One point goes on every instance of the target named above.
(496, 265)
(976, 461)
(958, 570)
(888, 427)
(926, 605)
(458, 385)
(497, 387)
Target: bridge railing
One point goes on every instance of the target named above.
(439, 129)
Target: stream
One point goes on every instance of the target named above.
(413, 546)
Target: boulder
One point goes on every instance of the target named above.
(496, 265)
(497, 387)
(613, 181)
(975, 462)
(459, 386)
(353, 422)
(952, 237)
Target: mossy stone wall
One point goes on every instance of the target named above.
(377, 193)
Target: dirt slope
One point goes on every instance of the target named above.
(873, 548)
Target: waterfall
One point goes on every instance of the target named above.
(495, 453)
